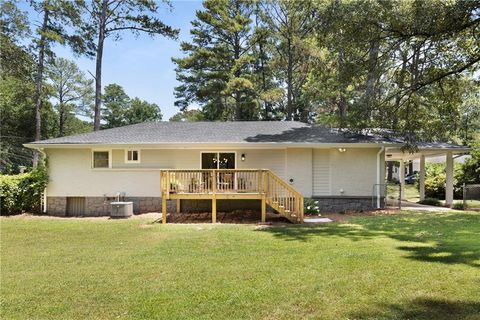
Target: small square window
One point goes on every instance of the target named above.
(101, 159)
(132, 156)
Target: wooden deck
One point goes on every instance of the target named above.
(229, 184)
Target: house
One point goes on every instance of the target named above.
(188, 166)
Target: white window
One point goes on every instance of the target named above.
(101, 159)
(132, 156)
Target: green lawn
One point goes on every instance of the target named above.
(405, 266)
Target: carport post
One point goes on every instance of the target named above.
(422, 177)
(449, 180)
(402, 179)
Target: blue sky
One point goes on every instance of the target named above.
(143, 66)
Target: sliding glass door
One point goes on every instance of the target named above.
(218, 160)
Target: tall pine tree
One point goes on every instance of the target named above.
(218, 70)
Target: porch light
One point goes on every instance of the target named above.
(243, 157)
(342, 150)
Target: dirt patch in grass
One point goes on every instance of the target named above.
(236, 217)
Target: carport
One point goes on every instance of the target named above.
(424, 151)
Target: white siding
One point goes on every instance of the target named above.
(299, 168)
(159, 159)
(353, 171)
(273, 159)
(321, 172)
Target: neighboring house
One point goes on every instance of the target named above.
(209, 161)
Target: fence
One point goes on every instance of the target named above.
(471, 196)
(386, 196)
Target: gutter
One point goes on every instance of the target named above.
(378, 175)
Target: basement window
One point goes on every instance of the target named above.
(101, 159)
(132, 156)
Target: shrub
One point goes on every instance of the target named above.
(458, 206)
(311, 206)
(435, 179)
(22, 192)
(431, 202)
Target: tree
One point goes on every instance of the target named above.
(109, 18)
(56, 15)
(193, 115)
(72, 91)
(115, 104)
(119, 110)
(140, 111)
(217, 72)
(16, 88)
(292, 24)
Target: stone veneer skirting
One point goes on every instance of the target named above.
(345, 203)
(100, 206)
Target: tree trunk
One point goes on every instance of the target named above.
(342, 101)
(98, 66)
(371, 78)
(289, 81)
(238, 96)
(39, 81)
(390, 170)
(401, 85)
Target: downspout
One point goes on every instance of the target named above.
(44, 209)
(379, 175)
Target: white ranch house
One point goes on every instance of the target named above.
(186, 166)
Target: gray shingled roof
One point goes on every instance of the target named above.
(218, 132)
(215, 132)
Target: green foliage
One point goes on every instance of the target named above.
(311, 206)
(22, 192)
(141, 111)
(188, 115)
(119, 109)
(431, 202)
(71, 91)
(470, 169)
(458, 206)
(218, 70)
(435, 179)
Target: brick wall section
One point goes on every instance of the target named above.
(339, 204)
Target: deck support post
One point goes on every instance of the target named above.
(264, 209)
(164, 208)
(178, 206)
(214, 209)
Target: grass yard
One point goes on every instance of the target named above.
(404, 266)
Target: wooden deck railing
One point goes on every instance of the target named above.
(233, 184)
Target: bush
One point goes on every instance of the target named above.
(458, 206)
(435, 180)
(431, 202)
(22, 192)
(311, 206)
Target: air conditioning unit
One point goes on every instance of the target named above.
(121, 209)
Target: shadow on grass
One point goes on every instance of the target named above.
(423, 308)
(452, 238)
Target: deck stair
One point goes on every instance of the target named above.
(229, 184)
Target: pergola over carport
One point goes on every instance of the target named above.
(426, 150)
